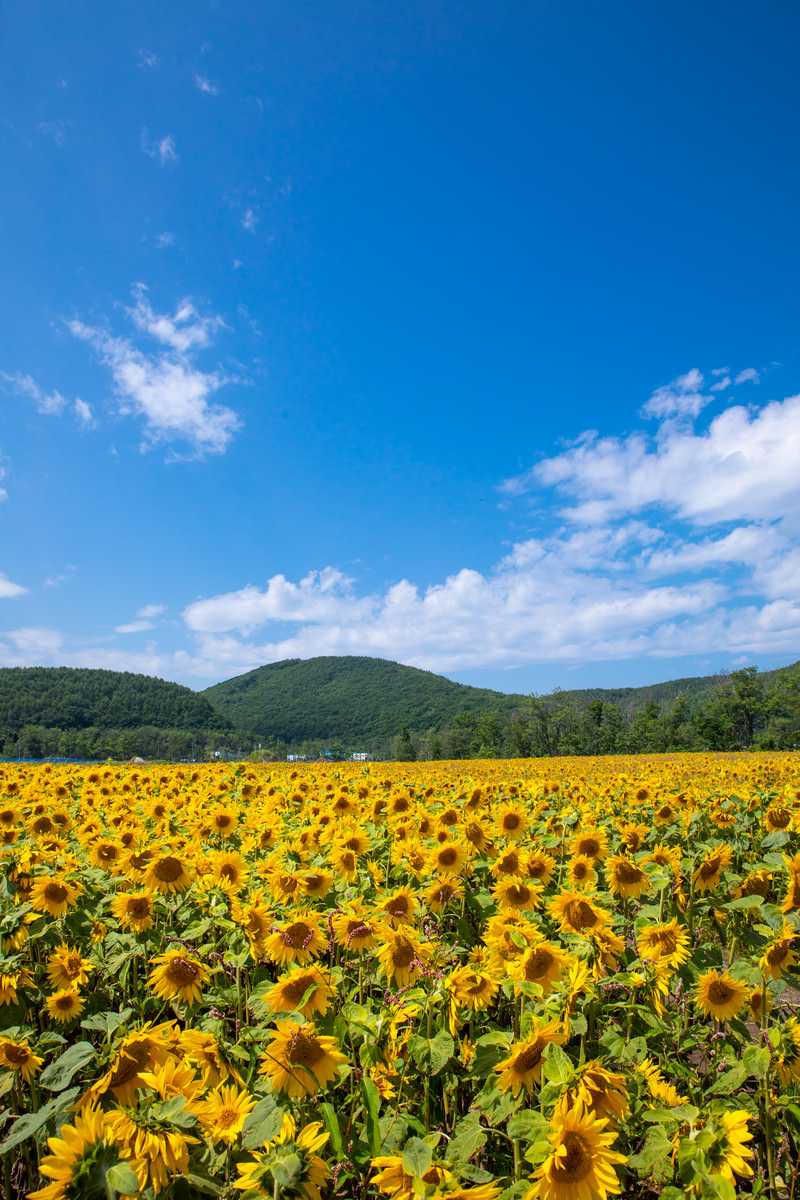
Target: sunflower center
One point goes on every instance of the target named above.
(298, 935)
(107, 851)
(518, 894)
(538, 964)
(168, 869)
(537, 868)
(348, 860)
(589, 846)
(403, 953)
(444, 893)
(65, 1003)
(138, 907)
(182, 972)
(779, 817)
(511, 821)
(305, 1051)
(254, 924)
(72, 965)
(719, 992)
(56, 893)
(667, 940)
(480, 984)
(227, 1117)
(777, 954)
(288, 883)
(43, 825)
(17, 1056)
(294, 991)
(529, 1059)
(576, 1163)
(580, 871)
(580, 914)
(509, 864)
(448, 857)
(133, 1059)
(628, 873)
(223, 820)
(228, 871)
(398, 907)
(710, 868)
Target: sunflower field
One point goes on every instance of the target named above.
(559, 979)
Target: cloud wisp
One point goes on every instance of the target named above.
(167, 389)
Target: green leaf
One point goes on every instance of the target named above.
(468, 1138)
(558, 1066)
(262, 1124)
(417, 1156)
(122, 1178)
(331, 1122)
(107, 1022)
(527, 1126)
(372, 1104)
(58, 1074)
(731, 1080)
(175, 1111)
(28, 1124)
(744, 902)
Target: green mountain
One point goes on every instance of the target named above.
(82, 698)
(357, 700)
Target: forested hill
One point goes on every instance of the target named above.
(83, 698)
(351, 698)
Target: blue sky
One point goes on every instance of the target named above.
(458, 334)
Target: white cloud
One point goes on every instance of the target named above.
(167, 389)
(250, 220)
(134, 627)
(49, 403)
(165, 239)
(150, 610)
(83, 412)
(681, 398)
(144, 620)
(205, 85)
(184, 330)
(162, 150)
(743, 467)
(721, 384)
(147, 59)
(57, 130)
(35, 643)
(748, 375)
(8, 590)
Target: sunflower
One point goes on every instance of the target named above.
(53, 895)
(511, 862)
(299, 1061)
(592, 842)
(154, 1152)
(134, 910)
(511, 821)
(19, 1058)
(578, 913)
(77, 1154)
(727, 1152)
(224, 1112)
(544, 963)
(260, 1176)
(442, 892)
(304, 990)
(581, 1163)
(450, 858)
(230, 871)
(177, 976)
(137, 1052)
(65, 1004)
(393, 1181)
(402, 955)
(515, 895)
(541, 866)
(707, 875)
(523, 1066)
(581, 871)
(66, 968)
(720, 995)
(779, 955)
(473, 989)
(602, 1093)
(167, 873)
(224, 821)
(668, 943)
(316, 884)
(299, 941)
(202, 1050)
(792, 899)
(626, 878)
(663, 1093)
(400, 907)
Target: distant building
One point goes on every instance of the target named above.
(361, 757)
(297, 758)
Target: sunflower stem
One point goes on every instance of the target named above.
(517, 1160)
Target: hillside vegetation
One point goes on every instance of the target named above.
(349, 698)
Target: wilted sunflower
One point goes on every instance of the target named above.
(523, 1066)
(581, 1163)
(304, 990)
(720, 996)
(65, 1005)
(134, 910)
(167, 873)
(53, 895)
(19, 1058)
(177, 976)
(300, 1062)
(224, 1112)
(76, 1156)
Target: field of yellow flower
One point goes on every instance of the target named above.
(547, 979)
